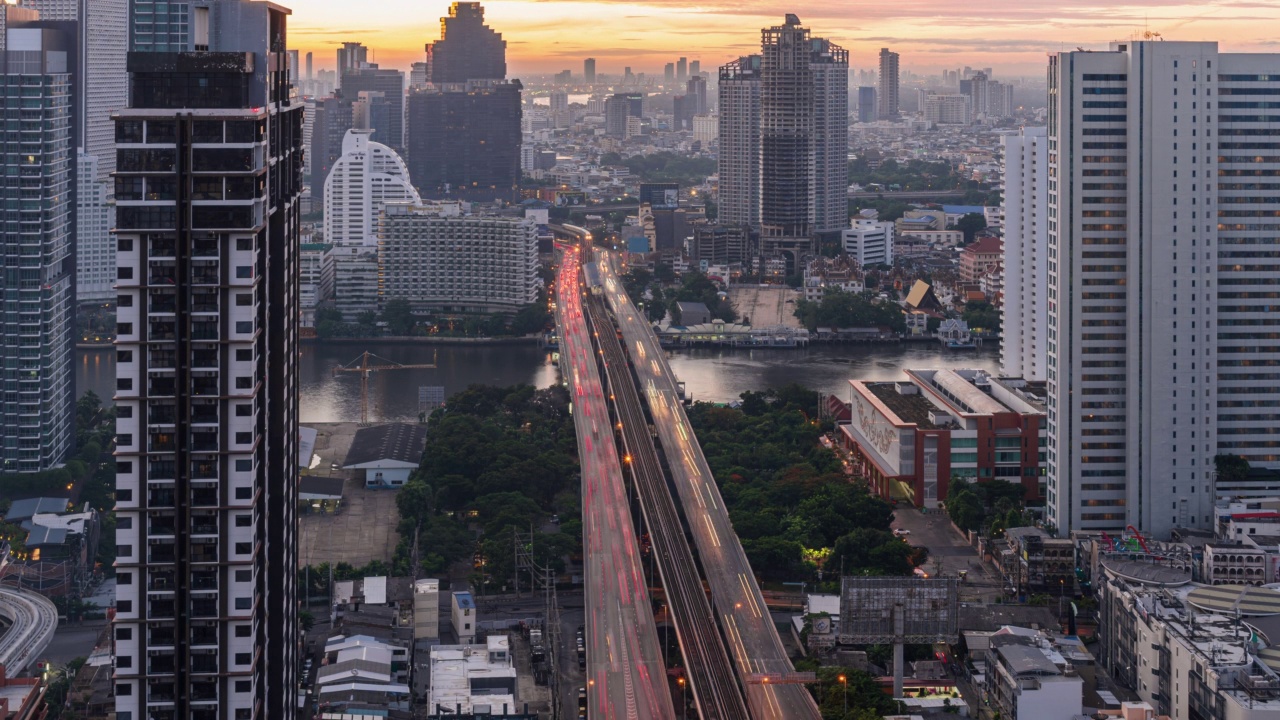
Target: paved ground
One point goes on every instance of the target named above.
(766, 306)
(364, 527)
(72, 641)
(949, 552)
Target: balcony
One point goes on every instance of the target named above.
(204, 498)
(204, 635)
(204, 608)
(205, 387)
(204, 692)
(161, 582)
(204, 554)
(204, 442)
(161, 609)
(160, 499)
(204, 526)
(161, 637)
(204, 581)
(160, 665)
(161, 527)
(204, 470)
(162, 554)
(161, 387)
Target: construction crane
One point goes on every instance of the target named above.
(365, 370)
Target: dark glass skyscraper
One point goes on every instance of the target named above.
(464, 141)
(391, 84)
(464, 129)
(208, 178)
(467, 49)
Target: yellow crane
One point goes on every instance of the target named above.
(365, 369)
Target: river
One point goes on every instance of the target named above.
(717, 375)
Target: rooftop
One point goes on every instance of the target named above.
(907, 408)
(400, 442)
(1027, 660)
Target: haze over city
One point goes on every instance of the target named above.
(1012, 37)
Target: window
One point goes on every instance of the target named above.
(124, 383)
(125, 606)
(243, 493)
(244, 686)
(124, 301)
(244, 327)
(243, 603)
(243, 548)
(244, 383)
(244, 355)
(244, 271)
(244, 465)
(244, 299)
(244, 576)
(124, 244)
(124, 328)
(124, 495)
(124, 439)
(124, 578)
(124, 633)
(244, 438)
(124, 661)
(123, 689)
(124, 411)
(241, 521)
(244, 658)
(124, 467)
(243, 631)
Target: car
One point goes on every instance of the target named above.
(901, 532)
(555, 519)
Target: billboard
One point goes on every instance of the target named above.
(911, 610)
(877, 432)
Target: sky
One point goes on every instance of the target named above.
(1011, 36)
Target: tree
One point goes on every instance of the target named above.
(1231, 468)
(970, 224)
(328, 323)
(965, 510)
(398, 315)
(981, 315)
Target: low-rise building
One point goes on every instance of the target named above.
(822, 274)
(910, 438)
(387, 454)
(1027, 678)
(363, 672)
(869, 242)
(1032, 562)
(981, 257)
(1191, 651)
(471, 681)
(355, 281)
(464, 617)
(1235, 564)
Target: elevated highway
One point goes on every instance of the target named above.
(626, 676)
(32, 621)
(764, 668)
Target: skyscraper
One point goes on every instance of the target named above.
(1026, 243)
(101, 33)
(367, 177)
(351, 56)
(804, 102)
(391, 84)
(682, 69)
(464, 132)
(866, 104)
(467, 49)
(696, 90)
(208, 180)
(334, 116)
(311, 75)
(159, 25)
(739, 131)
(1159, 281)
(589, 70)
(464, 140)
(669, 73)
(37, 219)
(695, 68)
(888, 95)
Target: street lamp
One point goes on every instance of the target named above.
(683, 706)
(844, 689)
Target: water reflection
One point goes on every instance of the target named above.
(716, 375)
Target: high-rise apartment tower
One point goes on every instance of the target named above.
(888, 95)
(208, 177)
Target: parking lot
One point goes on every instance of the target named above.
(364, 526)
(949, 551)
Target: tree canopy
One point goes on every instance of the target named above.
(842, 309)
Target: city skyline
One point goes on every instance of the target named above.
(1013, 38)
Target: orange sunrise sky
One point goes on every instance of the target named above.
(1012, 36)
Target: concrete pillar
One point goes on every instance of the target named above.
(899, 629)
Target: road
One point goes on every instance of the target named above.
(753, 639)
(625, 674)
(706, 659)
(32, 622)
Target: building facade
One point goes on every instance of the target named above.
(38, 229)
(95, 246)
(443, 261)
(464, 140)
(869, 242)
(1160, 293)
(333, 117)
(367, 177)
(980, 257)
(207, 406)
(1023, 349)
(866, 104)
(739, 133)
(391, 84)
(467, 49)
(912, 437)
(887, 97)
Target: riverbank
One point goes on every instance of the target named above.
(424, 340)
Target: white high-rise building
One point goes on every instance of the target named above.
(739, 132)
(1161, 283)
(948, 109)
(1026, 243)
(367, 176)
(869, 242)
(95, 246)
